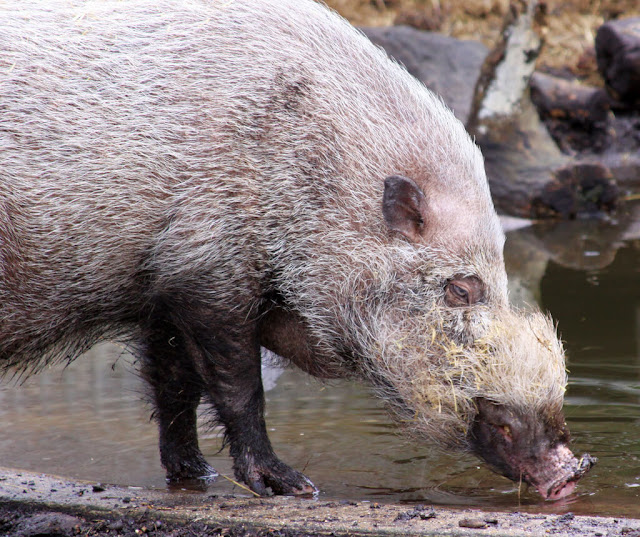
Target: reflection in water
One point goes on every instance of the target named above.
(90, 420)
(598, 314)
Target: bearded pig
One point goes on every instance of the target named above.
(202, 178)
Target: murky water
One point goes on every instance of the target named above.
(90, 421)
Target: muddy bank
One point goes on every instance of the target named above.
(38, 505)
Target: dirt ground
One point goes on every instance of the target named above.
(30, 520)
(568, 26)
(35, 505)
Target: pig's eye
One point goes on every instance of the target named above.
(505, 431)
(458, 293)
(463, 291)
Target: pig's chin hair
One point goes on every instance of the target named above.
(427, 360)
(430, 371)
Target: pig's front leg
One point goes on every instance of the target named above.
(225, 350)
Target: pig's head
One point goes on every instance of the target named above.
(519, 427)
(458, 365)
(528, 447)
(490, 381)
(419, 306)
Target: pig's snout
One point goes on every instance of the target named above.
(558, 492)
(574, 471)
(528, 446)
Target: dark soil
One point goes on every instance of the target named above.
(37, 505)
(30, 520)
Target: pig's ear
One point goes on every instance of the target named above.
(404, 206)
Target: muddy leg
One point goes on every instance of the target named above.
(176, 390)
(228, 360)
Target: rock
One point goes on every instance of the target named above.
(48, 524)
(447, 66)
(618, 56)
(577, 189)
(554, 97)
(528, 174)
(473, 523)
(577, 116)
(504, 76)
(624, 164)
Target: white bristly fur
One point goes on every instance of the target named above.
(237, 148)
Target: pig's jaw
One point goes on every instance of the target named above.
(529, 448)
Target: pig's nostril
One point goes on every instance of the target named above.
(561, 491)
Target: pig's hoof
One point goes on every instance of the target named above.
(297, 485)
(276, 478)
(197, 468)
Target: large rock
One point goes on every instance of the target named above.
(448, 66)
(618, 56)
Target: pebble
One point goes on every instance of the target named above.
(474, 523)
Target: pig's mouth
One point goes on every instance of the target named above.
(528, 447)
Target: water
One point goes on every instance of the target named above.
(90, 421)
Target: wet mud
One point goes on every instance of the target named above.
(38, 505)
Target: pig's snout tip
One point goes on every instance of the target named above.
(559, 491)
(585, 464)
(565, 487)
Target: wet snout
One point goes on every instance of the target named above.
(530, 447)
(552, 487)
